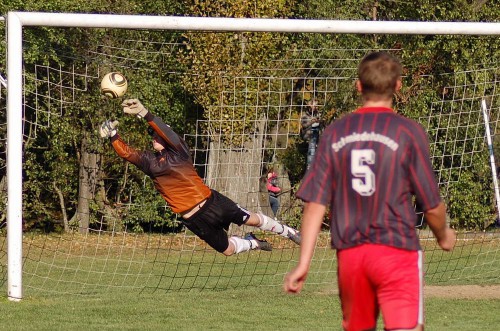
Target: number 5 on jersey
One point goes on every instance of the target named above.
(364, 183)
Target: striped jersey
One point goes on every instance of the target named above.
(368, 168)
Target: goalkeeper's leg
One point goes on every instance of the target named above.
(238, 245)
(266, 223)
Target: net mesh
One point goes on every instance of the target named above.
(94, 223)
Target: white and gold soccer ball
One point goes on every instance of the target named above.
(114, 85)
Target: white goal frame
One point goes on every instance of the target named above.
(17, 20)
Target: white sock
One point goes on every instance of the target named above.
(242, 245)
(268, 224)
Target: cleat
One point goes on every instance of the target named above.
(263, 245)
(294, 236)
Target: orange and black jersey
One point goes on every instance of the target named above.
(171, 170)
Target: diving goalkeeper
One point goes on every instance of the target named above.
(206, 212)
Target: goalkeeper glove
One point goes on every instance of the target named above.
(134, 107)
(108, 129)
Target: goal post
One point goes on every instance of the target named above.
(489, 141)
(14, 157)
(16, 21)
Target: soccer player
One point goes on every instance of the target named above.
(207, 213)
(368, 167)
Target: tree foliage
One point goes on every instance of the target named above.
(69, 148)
(215, 74)
(227, 61)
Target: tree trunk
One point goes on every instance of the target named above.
(87, 185)
(110, 209)
(237, 173)
(63, 207)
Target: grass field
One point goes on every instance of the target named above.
(238, 309)
(146, 283)
(76, 263)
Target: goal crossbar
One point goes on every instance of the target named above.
(17, 20)
(252, 24)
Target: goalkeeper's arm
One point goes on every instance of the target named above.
(108, 129)
(172, 139)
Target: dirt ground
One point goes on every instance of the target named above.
(451, 292)
(463, 292)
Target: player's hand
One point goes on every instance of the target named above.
(448, 241)
(108, 129)
(295, 279)
(134, 107)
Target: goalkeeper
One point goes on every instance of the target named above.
(206, 212)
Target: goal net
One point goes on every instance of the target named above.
(249, 97)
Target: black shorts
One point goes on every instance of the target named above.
(212, 221)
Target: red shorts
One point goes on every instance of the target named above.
(377, 277)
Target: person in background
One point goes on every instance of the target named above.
(369, 166)
(310, 120)
(206, 212)
(310, 129)
(273, 190)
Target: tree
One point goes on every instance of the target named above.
(222, 79)
(219, 73)
(68, 148)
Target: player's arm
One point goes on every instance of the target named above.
(436, 219)
(167, 134)
(135, 107)
(311, 225)
(427, 192)
(108, 129)
(317, 190)
(125, 151)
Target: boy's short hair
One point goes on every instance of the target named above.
(378, 74)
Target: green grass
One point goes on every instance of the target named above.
(87, 264)
(90, 264)
(462, 315)
(237, 309)
(134, 282)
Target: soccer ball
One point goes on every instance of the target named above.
(114, 85)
